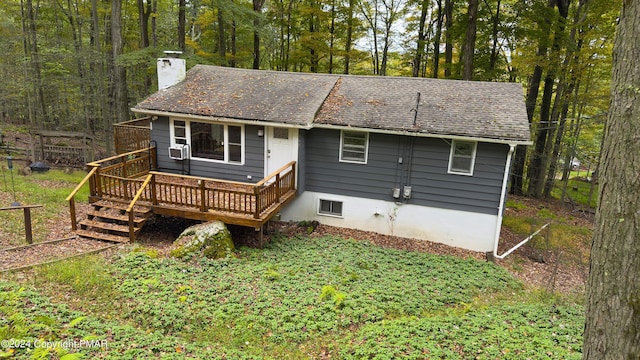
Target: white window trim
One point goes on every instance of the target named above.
(366, 147)
(226, 141)
(473, 158)
(319, 212)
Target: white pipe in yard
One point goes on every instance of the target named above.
(503, 194)
(495, 254)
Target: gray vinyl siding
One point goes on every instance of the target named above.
(431, 184)
(302, 158)
(253, 164)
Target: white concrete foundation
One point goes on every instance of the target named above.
(462, 229)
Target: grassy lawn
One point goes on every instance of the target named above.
(297, 298)
(49, 189)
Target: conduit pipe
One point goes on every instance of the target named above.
(503, 195)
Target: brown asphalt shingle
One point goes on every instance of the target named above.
(281, 97)
(447, 107)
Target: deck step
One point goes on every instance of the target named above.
(102, 236)
(141, 209)
(116, 217)
(107, 226)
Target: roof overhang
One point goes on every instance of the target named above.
(153, 113)
(429, 135)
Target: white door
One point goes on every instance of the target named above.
(281, 148)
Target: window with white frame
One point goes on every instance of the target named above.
(330, 207)
(209, 141)
(462, 157)
(354, 146)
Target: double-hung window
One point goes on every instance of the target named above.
(462, 157)
(354, 146)
(210, 141)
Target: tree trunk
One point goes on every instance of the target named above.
(349, 39)
(538, 166)
(234, 45)
(257, 9)
(182, 24)
(448, 49)
(470, 41)
(417, 60)
(34, 54)
(436, 41)
(121, 106)
(222, 48)
(517, 175)
(558, 115)
(332, 34)
(493, 59)
(612, 329)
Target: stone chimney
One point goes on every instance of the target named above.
(171, 70)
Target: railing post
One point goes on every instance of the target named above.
(154, 198)
(72, 212)
(277, 187)
(203, 196)
(124, 166)
(256, 192)
(98, 182)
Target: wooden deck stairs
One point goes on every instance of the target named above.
(125, 190)
(108, 221)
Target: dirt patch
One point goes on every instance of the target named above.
(561, 271)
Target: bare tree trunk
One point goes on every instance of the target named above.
(144, 12)
(332, 34)
(222, 48)
(349, 39)
(41, 116)
(257, 9)
(559, 116)
(121, 106)
(234, 46)
(520, 156)
(612, 329)
(154, 28)
(182, 24)
(436, 41)
(544, 134)
(448, 49)
(470, 41)
(417, 60)
(493, 59)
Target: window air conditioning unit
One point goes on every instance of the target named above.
(178, 152)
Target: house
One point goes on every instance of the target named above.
(414, 157)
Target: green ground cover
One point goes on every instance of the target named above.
(297, 298)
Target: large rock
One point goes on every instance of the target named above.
(212, 239)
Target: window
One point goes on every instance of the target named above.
(354, 146)
(209, 141)
(462, 157)
(179, 132)
(330, 207)
(281, 133)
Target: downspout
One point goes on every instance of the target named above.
(503, 195)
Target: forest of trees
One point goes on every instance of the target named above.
(82, 64)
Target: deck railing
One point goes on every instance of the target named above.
(131, 178)
(132, 135)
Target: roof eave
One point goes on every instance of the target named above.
(219, 118)
(424, 134)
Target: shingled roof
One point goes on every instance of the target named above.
(475, 109)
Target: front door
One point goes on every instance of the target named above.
(282, 147)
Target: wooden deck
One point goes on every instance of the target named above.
(129, 179)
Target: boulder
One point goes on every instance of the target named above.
(211, 239)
